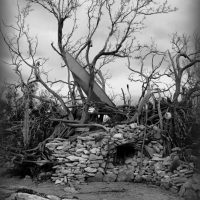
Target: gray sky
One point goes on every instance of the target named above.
(158, 28)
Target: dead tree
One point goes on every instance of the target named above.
(123, 20)
(181, 60)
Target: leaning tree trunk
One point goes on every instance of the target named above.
(26, 124)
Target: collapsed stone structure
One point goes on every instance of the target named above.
(90, 157)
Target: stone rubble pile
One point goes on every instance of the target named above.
(87, 159)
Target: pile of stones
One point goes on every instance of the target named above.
(90, 158)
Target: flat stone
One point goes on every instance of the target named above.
(86, 151)
(118, 136)
(73, 158)
(53, 197)
(94, 150)
(65, 171)
(85, 156)
(58, 181)
(85, 138)
(95, 157)
(90, 170)
(80, 150)
(25, 196)
(128, 161)
(179, 180)
(94, 165)
(176, 149)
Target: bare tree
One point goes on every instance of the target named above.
(182, 59)
(123, 19)
(150, 70)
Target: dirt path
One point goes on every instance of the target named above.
(90, 191)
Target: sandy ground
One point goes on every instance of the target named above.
(89, 191)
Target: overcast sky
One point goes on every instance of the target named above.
(158, 28)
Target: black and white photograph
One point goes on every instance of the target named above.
(99, 100)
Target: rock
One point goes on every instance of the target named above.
(95, 157)
(134, 163)
(141, 127)
(157, 135)
(165, 183)
(174, 189)
(196, 186)
(110, 166)
(133, 125)
(90, 170)
(176, 149)
(80, 150)
(94, 150)
(128, 161)
(94, 165)
(53, 197)
(158, 166)
(109, 177)
(97, 178)
(196, 178)
(65, 171)
(25, 196)
(150, 150)
(73, 158)
(190, 194)
(182, 191)
(86, 138)
(156, 148)
(177, 180)
(104, 153)
(122, 177)
(70, 190)
(51, 146)
(156, 158)
(58, 181)
(86, 152)
(85, 156)
(129, 175)
(160, 173)
(167, 161)
(138, 178)
(118, 136)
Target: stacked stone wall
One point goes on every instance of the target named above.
(87, 159)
